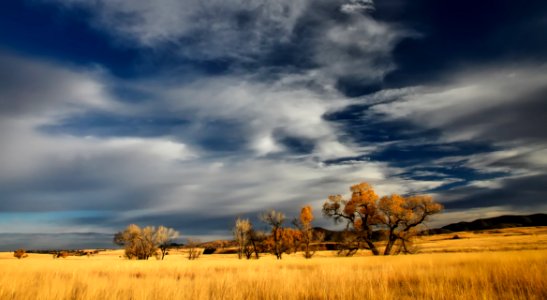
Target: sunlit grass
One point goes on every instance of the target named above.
(463, 275)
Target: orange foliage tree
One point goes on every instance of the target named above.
(287, 240)
(365, 212)
(401, 215)
(303, 223)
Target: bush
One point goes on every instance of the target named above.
(20, 253)
(209, 250)
(62, 254)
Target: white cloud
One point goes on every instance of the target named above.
(135, 177)
(263, 110)
(357, 6)
(37, 89)
(474, 103)
(359, 49)
(214, 28)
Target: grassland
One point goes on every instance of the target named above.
(494, 272)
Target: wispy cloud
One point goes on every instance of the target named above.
(233, 107)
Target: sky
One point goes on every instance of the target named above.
(191, 113)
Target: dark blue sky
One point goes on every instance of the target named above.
(190, 113)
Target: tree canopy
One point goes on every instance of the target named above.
(365, 212)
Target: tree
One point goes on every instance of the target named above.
(365, 213)
(60, 254)
(275, 220)
(303, 223)
(256, 239)
(165, 237)
(401, 215)
(242, 231)
(359, 212)
(193, 251)
(20, 253)
(142, 243)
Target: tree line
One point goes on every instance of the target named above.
(369, 219)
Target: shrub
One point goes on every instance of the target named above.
(20, 253)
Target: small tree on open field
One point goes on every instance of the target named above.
(242, 231)
(142, 243)
(165, 236)
(20, 253)
(60, 254)
(256, 240)
(275, 220)
(193, 251)
(303, 223)
(401, 216)
(365, 212)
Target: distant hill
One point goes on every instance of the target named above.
(507, 221)
(500, 222)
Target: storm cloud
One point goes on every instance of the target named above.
(191, 113)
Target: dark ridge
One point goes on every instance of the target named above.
(507, 221)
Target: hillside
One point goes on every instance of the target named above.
(507, 221)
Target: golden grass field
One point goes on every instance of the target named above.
(503, 264)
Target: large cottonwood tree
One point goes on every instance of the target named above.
(365, 212)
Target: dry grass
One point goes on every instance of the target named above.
(528, 238)
(480, 275)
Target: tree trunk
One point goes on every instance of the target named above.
(389, 246)
(255, 250)
(372, 247)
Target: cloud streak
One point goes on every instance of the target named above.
(233, 107)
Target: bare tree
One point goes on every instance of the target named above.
(165, 236)
(275, 220)
(142, 243)
(193, 251)
(256, 239)
(242, 234)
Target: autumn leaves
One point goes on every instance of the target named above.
(396, 216)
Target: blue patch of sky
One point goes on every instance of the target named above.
(405, 145)
(405, 155)
(464, 175)
(60, 34)
(64, 34)
(51, 216)
(108, 125)
(127, 94)
(294, 144)
(360, 128)
(222, 135)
